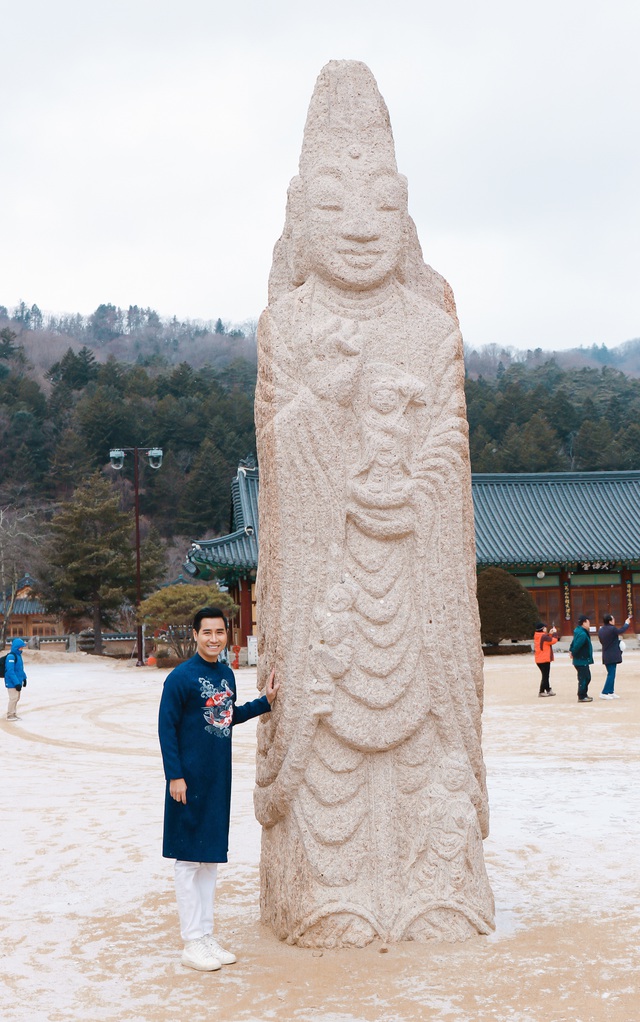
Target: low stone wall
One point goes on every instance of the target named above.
(116, 644)
(506, 649)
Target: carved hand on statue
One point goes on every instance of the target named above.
(334, 340)
(335, 366)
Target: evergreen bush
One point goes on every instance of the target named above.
(507, 610)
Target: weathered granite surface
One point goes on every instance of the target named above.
(370, 780)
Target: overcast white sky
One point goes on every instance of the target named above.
(146, 147)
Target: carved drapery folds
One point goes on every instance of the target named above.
(370, 780)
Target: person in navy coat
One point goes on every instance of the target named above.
(198, 712)
(609, 637)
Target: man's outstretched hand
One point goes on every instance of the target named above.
(272, 687)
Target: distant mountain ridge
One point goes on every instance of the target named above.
(139, 335)
(132, 336)
(491, 360)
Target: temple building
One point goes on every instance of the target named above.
(233, 559)
(571, 538)
(27, 617)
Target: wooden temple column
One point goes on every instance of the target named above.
(244, 588)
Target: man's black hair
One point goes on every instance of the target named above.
(540, 625)
(208, 612)
(583, 618)
(608, 618)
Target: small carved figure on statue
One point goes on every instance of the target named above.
(386, 432)
(334, 622)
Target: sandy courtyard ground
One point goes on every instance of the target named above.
(88, 927)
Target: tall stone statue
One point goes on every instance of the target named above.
(370, 780)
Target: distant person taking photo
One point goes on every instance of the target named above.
(609, 637)
(543, 643)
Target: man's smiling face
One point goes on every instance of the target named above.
(211, 639)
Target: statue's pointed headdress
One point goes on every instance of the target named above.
(347, 117)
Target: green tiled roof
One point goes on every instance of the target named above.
(559, 518)
(554, 518)
(24, 604)
(239, 550)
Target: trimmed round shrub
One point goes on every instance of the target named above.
(507, 610)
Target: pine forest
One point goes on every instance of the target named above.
(73, 387)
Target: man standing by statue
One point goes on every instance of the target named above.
(370, 779)
(198, 712)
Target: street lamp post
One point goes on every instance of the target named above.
(116, 457)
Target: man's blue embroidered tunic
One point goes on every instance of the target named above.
(197, 714)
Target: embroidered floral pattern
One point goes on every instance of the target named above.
(218, 707)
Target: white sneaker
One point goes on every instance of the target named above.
(614, 695)
(224, 956)
(198, 955)
(606, 695)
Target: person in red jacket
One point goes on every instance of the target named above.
(543, 643)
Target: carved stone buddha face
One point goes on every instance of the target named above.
(356, 222)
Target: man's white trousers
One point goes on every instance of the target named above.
(195, 893)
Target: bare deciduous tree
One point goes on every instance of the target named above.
(19, 535)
